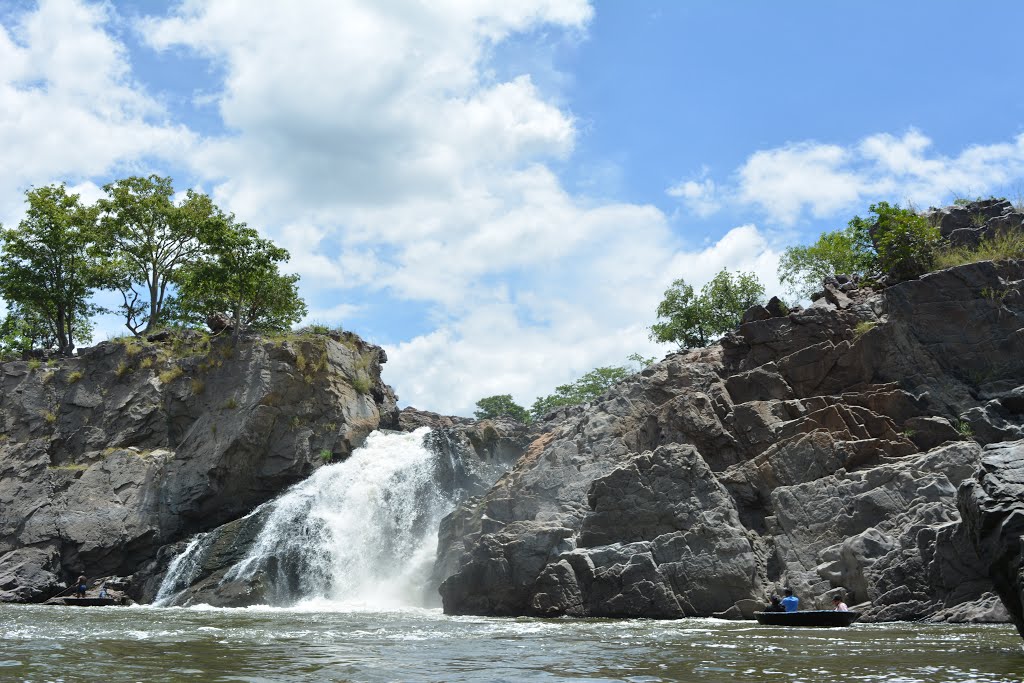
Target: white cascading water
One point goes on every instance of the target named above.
(361, 533)
(182, 570)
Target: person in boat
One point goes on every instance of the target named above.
(775, 606)
(839, 605)
(81, 586)
(103, 590)
(790, 602)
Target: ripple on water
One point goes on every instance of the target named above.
(297, 645)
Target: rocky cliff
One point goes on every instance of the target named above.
(819, 449)
(108, 456)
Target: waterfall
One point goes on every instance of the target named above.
(183, 569)
(362, 532)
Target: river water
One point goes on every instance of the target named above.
(315, 642)
(358, 538)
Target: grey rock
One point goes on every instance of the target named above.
(928, 432)
(992, 505)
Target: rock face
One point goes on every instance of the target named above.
(992, 505)
(819, 449)
(107, 457)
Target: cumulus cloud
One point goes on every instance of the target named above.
(823, 179)
(699, 194)
(374, 141)
(494, 349)
(71, 110)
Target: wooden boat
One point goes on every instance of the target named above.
(818, 618)
(91, 602)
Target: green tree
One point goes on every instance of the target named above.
(500, 406)
(905, 243)
(23, 330)
(683, 318)
(47, 273)
(848, 252)
(892, 241)
(148, 239)
(587, 388)
(692, 320)
(240, 278)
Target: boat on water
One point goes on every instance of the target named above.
(92, 602)
(818, 618)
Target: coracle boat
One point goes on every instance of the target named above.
(92, 602)
(818, 618)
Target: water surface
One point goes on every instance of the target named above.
(316, 644)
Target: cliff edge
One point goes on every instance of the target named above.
(108, 456)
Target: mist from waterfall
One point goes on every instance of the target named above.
(358, 534)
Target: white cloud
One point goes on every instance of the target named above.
(825, 179)
(375, 143)
(70, 108)
(806, 176)
(499, 346)
(699, 194)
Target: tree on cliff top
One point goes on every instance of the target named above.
(23, 329)
(842, 252)
(693, 320)
(906, 243)
(240, 278)
(147, 239)
(894, 241)
(46, 268)
(500, 406)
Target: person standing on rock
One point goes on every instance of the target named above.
(839, 605)
(790, 602)
(82, 585)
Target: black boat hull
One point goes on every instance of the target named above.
(91, 602)
(808, 618)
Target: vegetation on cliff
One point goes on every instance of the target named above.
(173, 263)
(587, 388)
(693, 320)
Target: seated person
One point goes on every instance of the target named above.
(839, 605)
(790, 602)
(776, 606)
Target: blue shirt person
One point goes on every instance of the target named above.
(790, 602)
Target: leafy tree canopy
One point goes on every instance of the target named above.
(842, 252)
(23, 329)
(147, 239)
(240, 278)
(500, 406)
(905, 243)
(47, 274)
(893, 241)
(691, 320)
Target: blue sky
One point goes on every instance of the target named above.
(499, 193)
